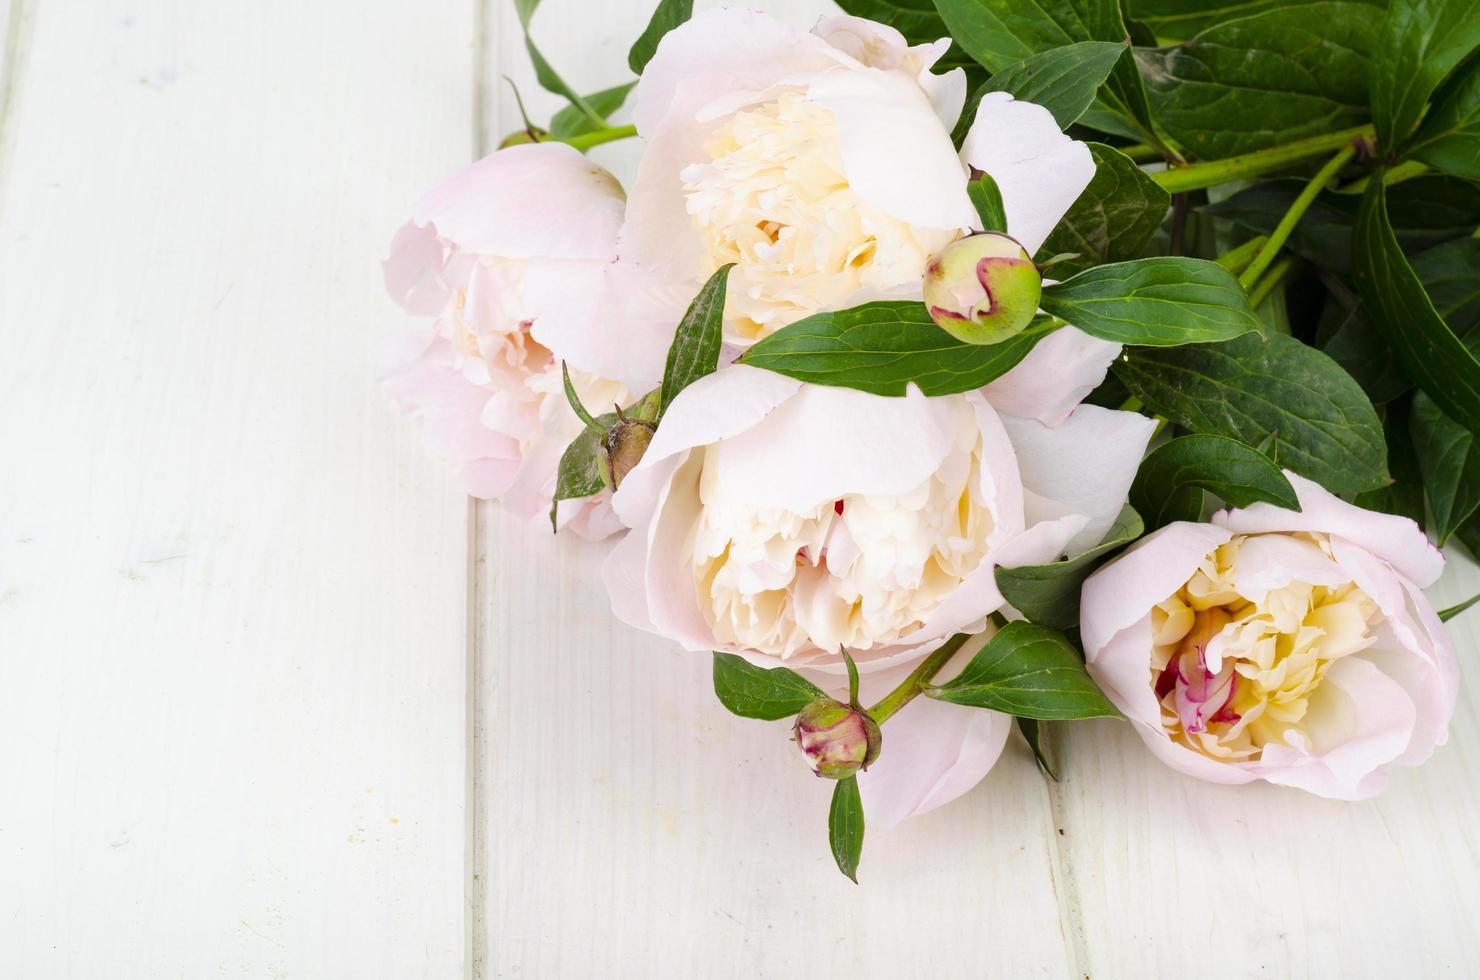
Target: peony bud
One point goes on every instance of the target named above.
(622, 447)
(982, 289)
(836, 739)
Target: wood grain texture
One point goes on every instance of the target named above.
(232, 612)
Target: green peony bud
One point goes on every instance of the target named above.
(836, 739)
(982, 289)
(622, 447)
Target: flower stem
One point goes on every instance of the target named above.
(1260, 292)
(1141, 152)
(1199, 175)
(1281, 233)
(915, 683)
(584, 141)
(1237, 259)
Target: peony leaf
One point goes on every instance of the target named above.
(545, 73)
(1273, 387)
(1404, 496)
(1049, 594)
(670, 14)
(1445, 615)
(1419, 43)
(885, 347)
(1112, 219)
(998, 33)
(845, 826)
(1179, 19)
(1164, 301)
(578, 476)
(1170, 483)
(1031, 672)
(768, 694)
(987, 200)
(1063, 80)
(1274, 77)
(1449, 139)
(1450, 463)
(694, 352)
(1425, 347)
(570, 121)
(1033, 733)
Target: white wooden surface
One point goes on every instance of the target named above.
(274, 702)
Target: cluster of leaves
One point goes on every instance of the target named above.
(1275, 315)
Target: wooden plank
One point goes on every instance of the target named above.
(632, 826)
(232, 612)
(1176, 877)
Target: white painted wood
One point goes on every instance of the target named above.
(232, 610)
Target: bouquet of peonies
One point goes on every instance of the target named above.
(995, 365)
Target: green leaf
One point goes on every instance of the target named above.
(998, 33)
(1450, 464)
(1049, 594)
(845, 826)
(578, 476)
(1280, 75)
(884, 347)
(1255, 388)
(1112, 219)
(1428, 210)
(1450, 274)
(1445, 615)
(1419, 43)
(759, 692)
(1178, 19)
(1170, 483)
(694, 352)
(571, 121)
(1354, 343)
(575, 401)
(1404, 496)
(1063, 80)
(987, 200)
(1164, 301)
(670, 14)
(1423, 344)
(1031, 672)
(1033, 736)
(545, 73)
(1449, 139)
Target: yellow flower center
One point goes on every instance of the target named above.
(774, 200)
(1236, 671)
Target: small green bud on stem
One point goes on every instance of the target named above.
(982, 289)
(837, 740)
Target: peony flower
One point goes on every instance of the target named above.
(821, 164)
(1291, 647)
(782, 521)
(511, 257)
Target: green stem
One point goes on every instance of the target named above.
(1390, 176)
(1266, 285)
(1236, 260)
(1141, 152)
(915, 683)
(596, 137)
(1303, 200)
(1199, 175)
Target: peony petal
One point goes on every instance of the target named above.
(1085, 466)
(1124, 591)
(881, 46)
(528, 201)
(896, 152)
(1038, 169)
(1359, 720)
(824, 443)
(413, 270)
(1397, 540)
(1271, 561)
(1058, 373)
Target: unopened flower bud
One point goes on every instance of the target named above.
(622, 447)
(836, 739)
(982, 289)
